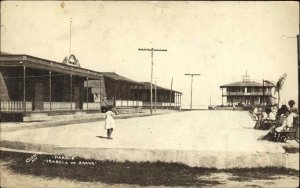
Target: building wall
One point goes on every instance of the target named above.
(3, 89)
(37, 88)
(13, 82)
(247, 100)
(248, 89)
(161, 95)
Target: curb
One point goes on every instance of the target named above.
(192, 158)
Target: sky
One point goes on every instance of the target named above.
(219, 40)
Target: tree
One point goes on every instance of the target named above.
(278, 86)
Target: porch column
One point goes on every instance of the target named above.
(180, 100)
(24, 88)
(155, 97)
(127, 94)
(50, 89)
(115, 92)
(121, 93)
(222, 96)
(175, 100)
(100, 85)
(136, 97)
(87, 93)
(177, 97)
(71, 90)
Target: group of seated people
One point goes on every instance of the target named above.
(279, 126)
(263, 118)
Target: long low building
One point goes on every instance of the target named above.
(30, 84)
(120, 92)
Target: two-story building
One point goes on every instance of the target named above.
(247, 92)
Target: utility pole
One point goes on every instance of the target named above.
(0, 30)
(70, 37)
(192, 75)
(151, 50)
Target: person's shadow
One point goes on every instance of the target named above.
(102, 137)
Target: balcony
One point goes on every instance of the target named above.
(247, 94)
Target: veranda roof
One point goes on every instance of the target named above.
(247, 84)
(44, 64)
(147, 86)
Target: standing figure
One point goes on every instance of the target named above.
(109, 122)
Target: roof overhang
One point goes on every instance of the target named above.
(43, 64)
(146, 85)
(18, 60)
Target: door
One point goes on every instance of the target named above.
(77, 97)
(39, 96)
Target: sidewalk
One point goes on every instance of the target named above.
(74, 119)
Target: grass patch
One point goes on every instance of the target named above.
(266, 173)
(142, 174)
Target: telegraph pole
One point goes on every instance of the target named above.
(192, 75)
(151, 50)
(70, 37)
(0, 30)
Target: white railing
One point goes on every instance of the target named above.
(14, 106)
(57, 106)
(158, 104)
(248, 93)
(146, 104)
(130, 103)
(123, 103)
(91, 106)
(165, 104)
(118, 103)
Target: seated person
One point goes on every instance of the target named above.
(281, 119)
(292, 106)
(267, 117)
(281, 112)
(288, 121)
(256, 113)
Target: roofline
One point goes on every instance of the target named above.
(161, 87)
(33, 61)
(267, 85)
(224, 86)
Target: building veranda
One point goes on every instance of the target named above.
(34, 85)
(248, 93)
